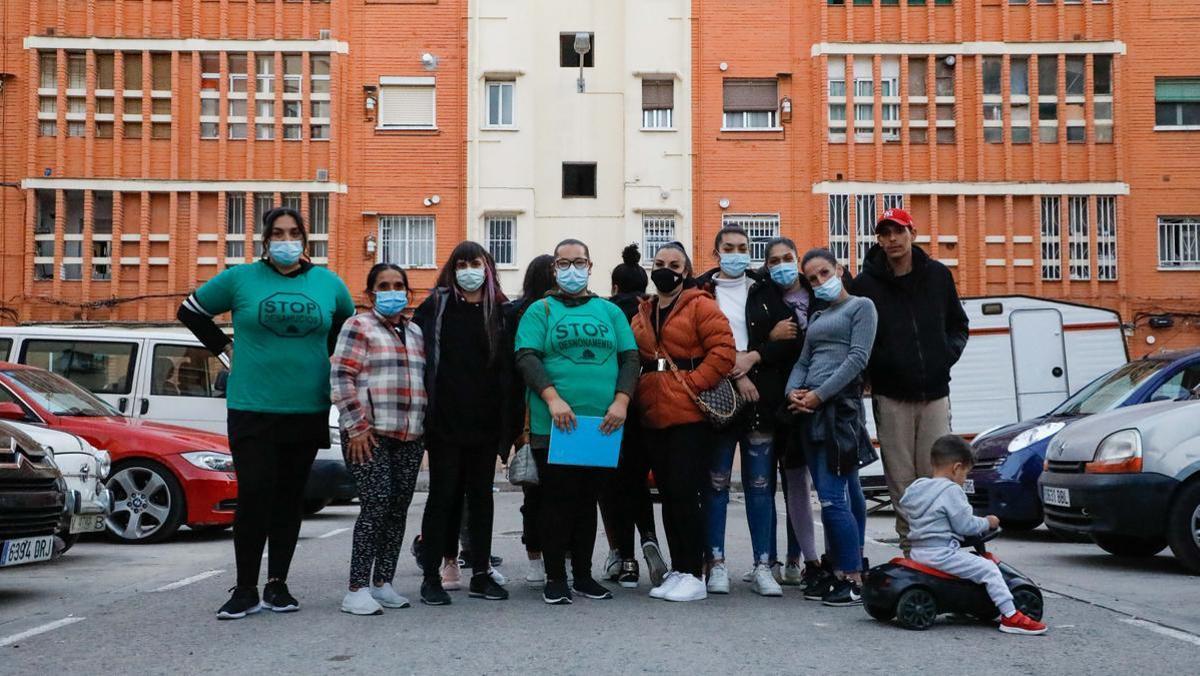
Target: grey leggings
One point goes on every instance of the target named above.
(385, 490)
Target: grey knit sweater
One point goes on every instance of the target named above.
(836, 348)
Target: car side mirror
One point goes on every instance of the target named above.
(10, 410)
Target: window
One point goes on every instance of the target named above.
(76, 70)
(657, 230)
(892, 201)
(1177, 102)
(839, 227)
(407, 103)
(293, 75)
(318, 226)
(263, 202)
(568, 58)
(210, 72)
(183, 371)
(237, 73)
(761, 229)
(864, 226)
(99, 367)
(105, 71)
(889, 89)
(864, 100)
(47, 116)
(1106, 238)
(992, 66)
(264, 74)
(1178, 386)
(1179, 242)
(1102, 112)
(658, 104)
(1075, 75)
(48, 70)
(291, 200)
(1078, 245)
(407, 241)
(837, 99)
(501, 234)
(5, 346)
(235, 225)
(750, 104)
(579, 179)
(945, 77)
(917, 67)
(291, 119)
(160, 72)
(319, 64)
(1047, 75)
(500, 104)
(1051, 239)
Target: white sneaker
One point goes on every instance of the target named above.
(612, 566)
(748, 576)
(668, 582)
(451, 576)
(497, 576)
(687, 588)
(718, 579)
(764, 582)
(360, 603)
(536, 575)
(387, 596)
(793, 575)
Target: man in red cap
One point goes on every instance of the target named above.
(922, 332)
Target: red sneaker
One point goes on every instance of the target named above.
(1019, 623)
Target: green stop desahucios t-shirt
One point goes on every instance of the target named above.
(579, 347)
(281, 328)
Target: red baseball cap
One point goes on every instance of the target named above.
(896, 217)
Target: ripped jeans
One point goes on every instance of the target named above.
(758, 484)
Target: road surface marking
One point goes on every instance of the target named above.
(335, 531)
(1160, 629)
(189, 580)
(49, 626)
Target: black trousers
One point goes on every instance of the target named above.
(531, 518)
(625, 499)
(679, 456)
(456, 471)
(568, 515)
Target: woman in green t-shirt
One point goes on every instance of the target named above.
(286, 315)
(577, 355)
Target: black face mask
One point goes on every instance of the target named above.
(666, 280)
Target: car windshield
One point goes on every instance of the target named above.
(1108, 391)
(57, 394)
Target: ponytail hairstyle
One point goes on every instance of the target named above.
(493, 298)
(630, 276)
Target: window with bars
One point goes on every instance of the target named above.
(839, 227)
(761, 228)
(657, 230)
(500, 233)
(864, 226)
(1106, 238)
(1179, 242)
(1051, 239)
(892, 201)
(407, 241)
(1078, 231)
(263, 202)
(235, 225)
(318, 227)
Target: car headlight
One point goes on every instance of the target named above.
(103, 464)
(1119, 452)
(212, 460)
(1033, 435)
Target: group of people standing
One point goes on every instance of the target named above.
(472, 375)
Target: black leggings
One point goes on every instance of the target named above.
(625, 498)
(271, 478)
(679, 456)
(455, 471)
(568, 515)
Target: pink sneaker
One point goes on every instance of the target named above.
(451, 575)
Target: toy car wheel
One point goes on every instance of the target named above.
(1029, 601)
(916, 609)
(881, 613)
(1128, 545)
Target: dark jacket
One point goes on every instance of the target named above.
(628, 302)
(922, 326)
(839, 428)
(765, 307)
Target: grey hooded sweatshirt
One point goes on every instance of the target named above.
(938, 512)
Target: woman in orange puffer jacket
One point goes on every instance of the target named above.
(687, 325)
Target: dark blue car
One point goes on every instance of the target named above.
(1009, 458)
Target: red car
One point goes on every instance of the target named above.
(163, 476)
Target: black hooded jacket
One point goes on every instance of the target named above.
(922, 326)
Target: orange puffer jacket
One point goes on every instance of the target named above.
(695, 329)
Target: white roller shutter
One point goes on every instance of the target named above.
(406, 106)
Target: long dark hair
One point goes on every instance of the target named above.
(378, 268)
(275, 214)
(539, 279)
(493, 298)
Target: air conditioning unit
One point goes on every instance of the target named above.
(323, 175)
(324, 34)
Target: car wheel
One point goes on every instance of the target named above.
(1128, 545)
(1019, 524)
(147, 503)
(1028, 600)
(916, 609)
(315, 505)
(1183, 528)
(881, 613)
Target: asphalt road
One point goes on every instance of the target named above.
(151, 609)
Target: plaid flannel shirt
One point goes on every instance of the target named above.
(377, 380)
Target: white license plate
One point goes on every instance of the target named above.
(87, 523)
(26, 550)
(969, 487)
(1059, 497)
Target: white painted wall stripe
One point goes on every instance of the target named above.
(186, 44)
(40, 629)
(189, 580)
(923, 48)
(998, 188)
(170, 185)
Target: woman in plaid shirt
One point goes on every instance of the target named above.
(378, 384)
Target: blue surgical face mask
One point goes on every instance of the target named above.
(286, 252)
(830, 290)
(572, 280)
(391, 303)
(734, 264)
(469, 279)
(785, 274)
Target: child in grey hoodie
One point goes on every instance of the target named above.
(940, 517)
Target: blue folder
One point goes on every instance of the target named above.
(586, 446)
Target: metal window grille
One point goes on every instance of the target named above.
(1078, 247)
(318, 214)
(1179, 242)
(235, 225)
(407, 241)
(263, 202)
(1051, 239)
(291, 200)
(760, 227)
(864, 226)
(657, 230)
(1106, 238)
(893, 201)
(502, 238)
(839, 227)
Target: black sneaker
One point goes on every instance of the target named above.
(628, 578)
(432, 593)
(656, 567)
(819, 585)
(484, 587)
(276, 597)
(586, 586)
(845, 592)
(243, 602)
(417, 549)
(556, 593)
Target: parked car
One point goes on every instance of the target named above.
(163, 476)
(1009, 459)
(1130, 479)
(161, 375)
(33, 499)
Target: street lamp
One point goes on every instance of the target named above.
(583, 45)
